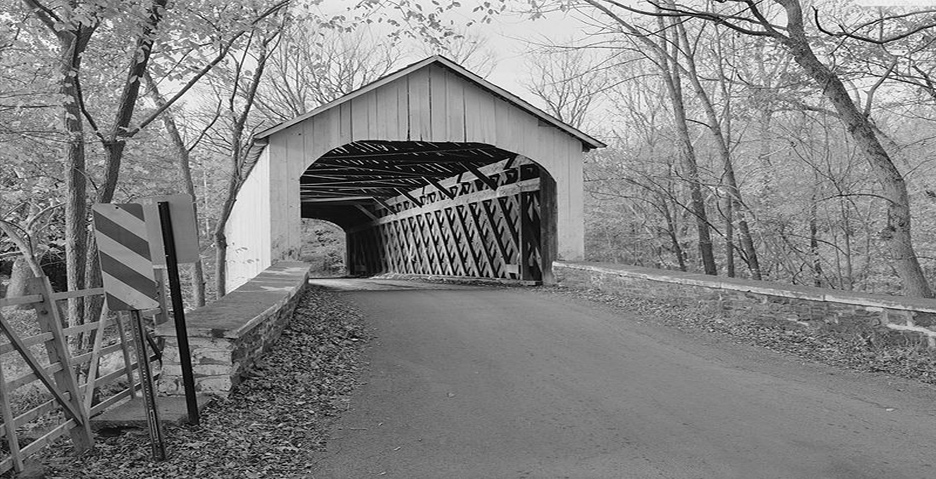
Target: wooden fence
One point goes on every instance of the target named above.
(66, 403)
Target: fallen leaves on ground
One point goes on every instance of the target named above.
(860, 353)
(271, 426)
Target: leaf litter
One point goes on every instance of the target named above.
(913, 360)
(277, 419)
(272, 425)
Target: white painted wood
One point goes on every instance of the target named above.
(432, 103)
(438, 105)
(452, 67)
(386, 114)
(420, 119)
(248, 230)
(455, 102)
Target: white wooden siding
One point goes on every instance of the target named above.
(429, 104)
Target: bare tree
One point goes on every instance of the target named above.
(182, 151)
(567, 80)
(312, 66)
(240, 80)
(466, 47)
(748, 17)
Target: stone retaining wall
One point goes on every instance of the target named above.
(893, 319)
(227, 336)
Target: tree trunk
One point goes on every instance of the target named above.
(729, 238)
(815, 257)
(673, 81)
(814, 248)
(735, 206)
(896, 235)
(116, 142)
(673, 234)
(73, 45)
(185, 171)
(220, 241)
(227, 207)
(239, 151)
(669, 69)
(21, 273)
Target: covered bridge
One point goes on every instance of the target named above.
(430, 170)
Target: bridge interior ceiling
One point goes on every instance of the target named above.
(361, 171)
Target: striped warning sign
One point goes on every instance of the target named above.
(124, 251)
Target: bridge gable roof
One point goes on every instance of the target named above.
(588, 142)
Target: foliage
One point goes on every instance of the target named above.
(819, 211)
(323, 247)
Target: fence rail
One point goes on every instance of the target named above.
(71, 402)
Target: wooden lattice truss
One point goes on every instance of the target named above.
(485, 222)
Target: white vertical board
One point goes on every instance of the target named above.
(248, 228)
(420, 118)
(438, 107)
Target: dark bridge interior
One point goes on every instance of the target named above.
(435, 208)
(364, 173)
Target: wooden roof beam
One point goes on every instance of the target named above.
(383, 203)
(404, 152)
(342, 200)
(441, 188)
(411, 197)
(481, 176)
(366, 211)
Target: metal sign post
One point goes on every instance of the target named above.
(149, 393)
(173, 238)
(127, 273)
(178, 311)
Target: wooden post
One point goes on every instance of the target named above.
(95, 358)
(128, 361)
(549, 236)
(523, 239)
(9, 427)
(57, 348)
(349, 253)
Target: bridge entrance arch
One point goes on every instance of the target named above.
(430, 170)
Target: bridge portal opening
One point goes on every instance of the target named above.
(429, 170)
(436, 208)
(323, 247)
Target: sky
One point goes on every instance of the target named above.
(508, 35)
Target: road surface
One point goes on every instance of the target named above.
(503, 383)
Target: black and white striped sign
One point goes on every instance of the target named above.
(126, 264)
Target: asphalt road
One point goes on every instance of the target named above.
(502, 383)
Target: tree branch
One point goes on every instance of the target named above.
(207, 68)
(879, 41)
(45, 15)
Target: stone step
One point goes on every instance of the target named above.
(131, 414)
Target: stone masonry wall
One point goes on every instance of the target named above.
(892, 319)
(228, 336)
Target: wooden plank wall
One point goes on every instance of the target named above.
(430, 104)
(247, 229)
